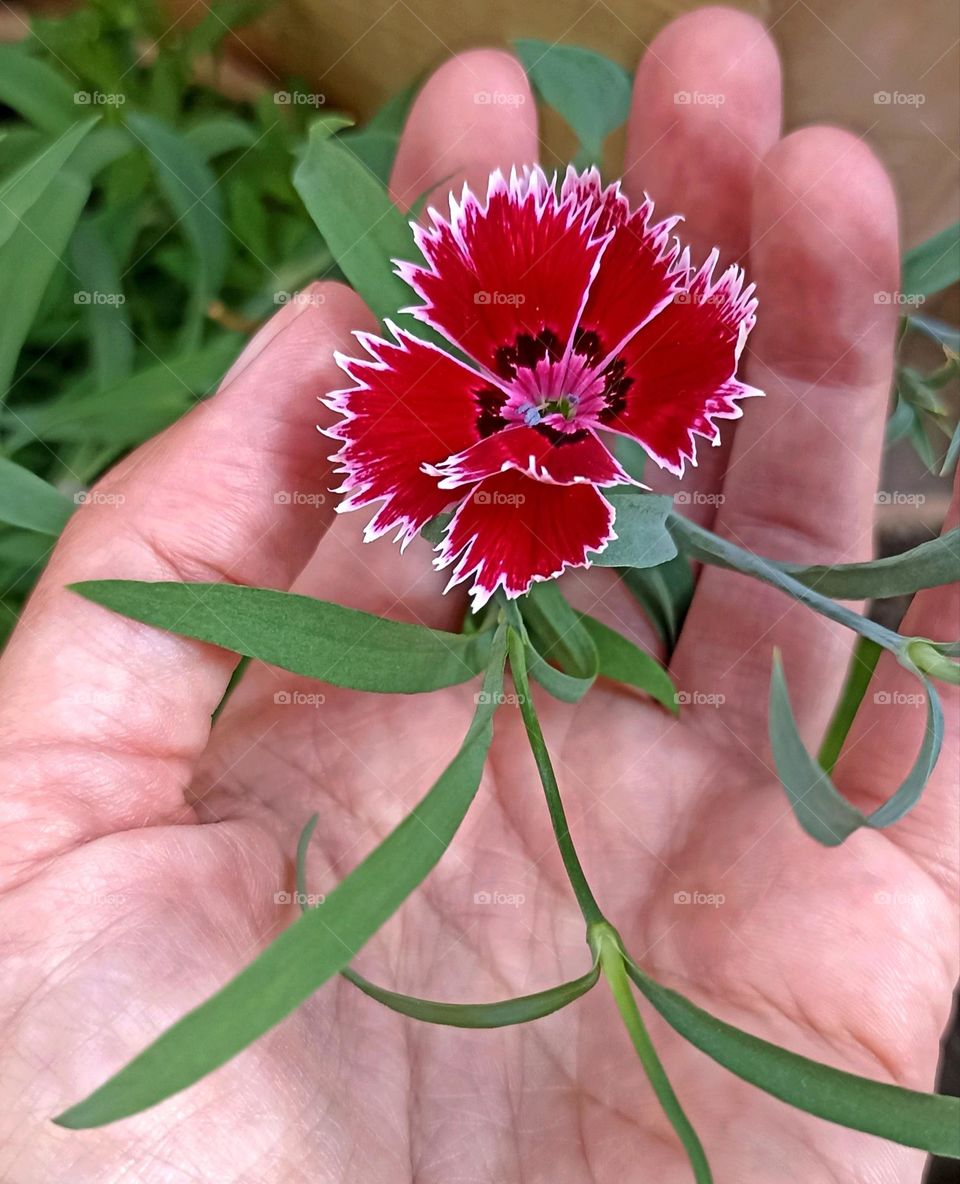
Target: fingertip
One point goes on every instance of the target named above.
(706, 108)
(474, 114)
(826, 256)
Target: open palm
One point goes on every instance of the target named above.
(144, 859)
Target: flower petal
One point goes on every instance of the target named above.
(507, 275)
(412, 404)
(512, 531)
(555, 458)
(676, 377)
(640, 270)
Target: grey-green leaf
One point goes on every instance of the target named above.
(561, 655)
(316, 946)
(930, 1122)
(933, 265)
(27, 501)
(502, 1013)
(590, 91)
(623, 661)
(643, 539)
(928, 565)
(820, 808)
(664, 593)
(312, 638)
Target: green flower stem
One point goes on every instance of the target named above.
(605, 941)
(862, 665)
(578, 881)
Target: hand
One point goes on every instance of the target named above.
(142, 854)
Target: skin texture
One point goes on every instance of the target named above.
(140, 854)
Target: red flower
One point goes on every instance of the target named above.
(581, 318)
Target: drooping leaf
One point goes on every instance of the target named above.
(220, 134)
(930, 1122)
(19, 191)
(561, 655)
(664, 593)
(623, 661)
(933, 265)
(312, 638)
(36, 90)
(28, 501)
(820, 808)
(104, 307)
(928, 565)
(321, 942)
(643, 539)
(590, 91)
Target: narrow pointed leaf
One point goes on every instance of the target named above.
(28, 501)
(820, 808)
(561, 655)
(313, 638)
(24, 186)
(930, 1122)
(933, 265)
(863, 662)
(590, 91)
(625, 662)
(321, 942)
(501, 1014)
(664, 593)
(928, 565)
(643, 539)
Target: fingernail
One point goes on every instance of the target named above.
(294, 305)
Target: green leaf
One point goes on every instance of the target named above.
(19, 191)
(218, 135)
(313, 638)
(501, 1014)
(953, 453)
(360, 224)
(930, 1122)
(29, 502)
(104, 308)
(591, 92)
(820, 808)
(625, 662)
(556, 634)
(928, 565)
(866, 654)
(36, 90)
(643, 539)
(375, 144)
(28, 260)
(664, 593)
(314, 948)
(946, 335)
(933, 265)
(190, 188)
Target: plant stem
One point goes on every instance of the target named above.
(578, 881)
(606, 942)
(862, 665)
